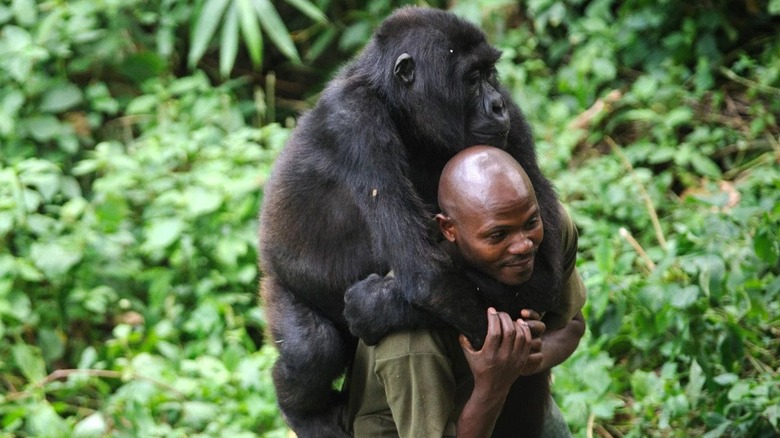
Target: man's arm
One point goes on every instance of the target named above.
(495, 368)
(557, 345)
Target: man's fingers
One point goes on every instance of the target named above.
(507, 328)
(465, 344)
(536, 345)
(525, 332)
(493, 337)
(537, 327)
(530, 314)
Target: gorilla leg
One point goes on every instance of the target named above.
(312, 354)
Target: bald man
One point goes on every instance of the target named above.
(432, 383)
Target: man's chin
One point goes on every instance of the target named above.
(516, 280)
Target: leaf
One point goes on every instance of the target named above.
(6, 222)
(143, 104)
(228, 48)
(678, 116)
(321, 43)
(726, 379)
(204, 29)
(29, 361)
(141, 66)
(44, 421)
(705, 166)
(51, 344)
(696, 379)
(60, 98)
(774, 7)
(275, 28)
(163, 233)
(53, 258)
(739, 391)
(201, 201)
(91, 426)
(229, 249)
(251, 31)
(43, 127)
(197, 413)
(308, 9)
(683, 297)
(26, 11)
(766, 247)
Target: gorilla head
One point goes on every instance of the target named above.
(442, 85)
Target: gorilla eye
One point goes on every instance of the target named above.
(492, 75)
(473, 78)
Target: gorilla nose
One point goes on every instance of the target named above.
(494, 105)
(497, 105)
(497, 111)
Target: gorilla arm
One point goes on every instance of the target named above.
(425, 283)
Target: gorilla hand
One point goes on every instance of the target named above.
(373, 308)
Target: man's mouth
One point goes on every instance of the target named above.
(519, 262)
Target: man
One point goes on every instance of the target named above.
(431, 382)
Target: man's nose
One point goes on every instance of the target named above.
(521, 245)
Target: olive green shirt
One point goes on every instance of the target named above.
(415, 383)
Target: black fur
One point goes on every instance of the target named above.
(351, 193)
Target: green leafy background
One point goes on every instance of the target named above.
(136, 136)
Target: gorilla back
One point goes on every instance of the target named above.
(351, 194)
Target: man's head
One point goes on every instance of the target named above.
(489, 211)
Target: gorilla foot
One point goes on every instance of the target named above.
(329, 424)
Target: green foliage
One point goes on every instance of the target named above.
(248, 17)
(136, 263)
(129, 197)
(128, 203)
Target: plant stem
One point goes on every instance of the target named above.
(642, 192)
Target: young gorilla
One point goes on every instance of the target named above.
(351, 193)
(433, 382)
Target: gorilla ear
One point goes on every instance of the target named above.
(404, 68)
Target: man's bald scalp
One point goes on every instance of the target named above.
(471, 172)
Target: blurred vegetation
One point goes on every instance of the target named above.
(135, 137)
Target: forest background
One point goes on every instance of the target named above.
(135, 137)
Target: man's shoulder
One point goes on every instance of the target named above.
(420, 341)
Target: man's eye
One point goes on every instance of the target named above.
(533, 222)
(498, 236)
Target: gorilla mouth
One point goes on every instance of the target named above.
(495, 138)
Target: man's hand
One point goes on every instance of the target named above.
(555, 346)
(537, 327)
(495, 368)
(503, 356)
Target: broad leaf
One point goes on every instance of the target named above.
(309, 10)
(228, 47)
(204, 29)
(251, 31)
(275, 28)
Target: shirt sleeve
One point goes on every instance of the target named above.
(419, 383)
(574, 293)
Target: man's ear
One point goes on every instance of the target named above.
(404, 68)
(447, 227)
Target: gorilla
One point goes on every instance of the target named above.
(353, 193)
